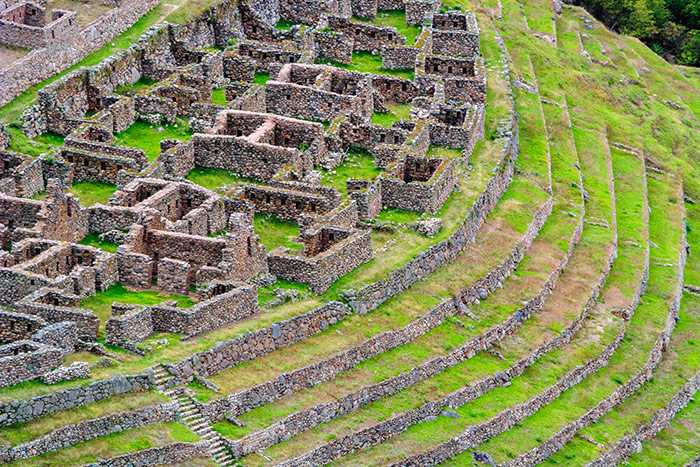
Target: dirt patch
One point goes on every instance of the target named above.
(9, 55)
(88, 11)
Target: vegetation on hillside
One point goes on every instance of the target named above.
(671, 28)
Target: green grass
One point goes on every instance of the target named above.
(93, 239)
(444, 152)
(88, 192)
(34, 147)
(274, 232)
(218, 96)
(134, 88)
(396, 112)
(101, 302)
(284, 25)
(190, 9)
(93, 192)
(214, 178)
(365, 62)
(358, 165)
(261, 78)
(396, 19)
(148, 137)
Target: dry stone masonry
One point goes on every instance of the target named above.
(255, 84)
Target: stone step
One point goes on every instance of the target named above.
(198, 424)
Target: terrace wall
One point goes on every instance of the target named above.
(252, 345)
(372, 295)
(162, 455)
(13, 412)
(70, 435)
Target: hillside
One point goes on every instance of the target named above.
(302, 233)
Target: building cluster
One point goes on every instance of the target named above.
(175, 236)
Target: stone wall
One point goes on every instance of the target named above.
(334, 45)
(18, 326)
(251, 345)
(371, 295)
(239, 302)
(257, 145)
(319, 93)
(404, 57)
(456, 33)
(24, 173)
(290, 201)
(128, 324)
(366, 37)
(417, 11)
(25, 361)
(426, 192)
(320, 271)
(20, 411)
(45, 62)
(162, 455)
(368, 196)
(70, 435)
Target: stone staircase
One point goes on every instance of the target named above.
(191, 416)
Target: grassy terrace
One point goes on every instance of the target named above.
(24, 432)
(571, 292)
(148, 137)
(114, 445)
(642, 331)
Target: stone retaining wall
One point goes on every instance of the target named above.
(70, 435)
(252, 345)
(312, 375)
(508, 418)
(162, 455)
(15, 411)
(372, 295)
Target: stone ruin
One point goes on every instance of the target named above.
(27, 25)
(332, 248)
(282, 139)
(259, 145)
